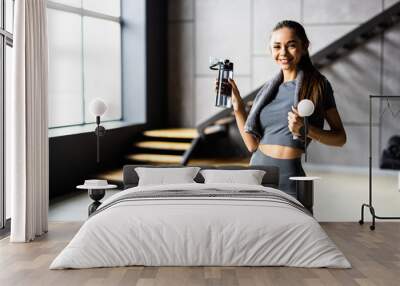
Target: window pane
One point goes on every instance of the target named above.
(74, 3)
(109, 7)
(9, 15)
(8, 95)
(65, 68)
(102, 66)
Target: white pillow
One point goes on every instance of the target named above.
(163, 176)
(248, 177)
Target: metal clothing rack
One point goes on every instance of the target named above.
(369, 205)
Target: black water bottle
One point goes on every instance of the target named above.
(224, 89)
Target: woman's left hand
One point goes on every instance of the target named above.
(295, 122)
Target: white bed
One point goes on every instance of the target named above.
(184, 230)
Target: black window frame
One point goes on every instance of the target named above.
(6, 39)
(95, 15)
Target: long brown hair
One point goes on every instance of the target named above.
(313, 81)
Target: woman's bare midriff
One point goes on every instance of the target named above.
(280, 152)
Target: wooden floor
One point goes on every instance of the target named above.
(375, 256)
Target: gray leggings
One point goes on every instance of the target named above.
(287, 168)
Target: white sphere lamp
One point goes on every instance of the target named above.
(98, 107)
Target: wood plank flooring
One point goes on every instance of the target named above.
(375, 257)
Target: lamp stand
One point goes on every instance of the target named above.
(99, 131)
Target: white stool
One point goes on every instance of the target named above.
(305, 191)
(96, 193)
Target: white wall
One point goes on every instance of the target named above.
(239, 30)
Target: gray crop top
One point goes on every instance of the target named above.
(274, 116)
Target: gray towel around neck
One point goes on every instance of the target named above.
(265, 96)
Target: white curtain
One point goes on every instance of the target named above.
(26, 123)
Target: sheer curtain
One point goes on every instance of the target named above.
(27, 122)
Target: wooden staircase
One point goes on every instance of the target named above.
(167, 147)
(164, 146)
(157, 147)
(170, 146)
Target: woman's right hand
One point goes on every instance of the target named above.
(237, 102)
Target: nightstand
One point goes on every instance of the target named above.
(305, 191)
(96, 193)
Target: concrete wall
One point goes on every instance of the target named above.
(133, 38)
(144, 62)
(239, 30)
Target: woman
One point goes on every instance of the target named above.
(270, 129)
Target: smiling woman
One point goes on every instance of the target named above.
(273, 130)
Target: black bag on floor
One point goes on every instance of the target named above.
(390, 158)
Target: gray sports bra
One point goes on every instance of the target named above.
(274, 118)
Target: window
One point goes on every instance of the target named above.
(84, 60)
(6, 42)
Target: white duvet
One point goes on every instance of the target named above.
(200, 231)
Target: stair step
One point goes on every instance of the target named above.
(225, 120)
(219, 162)
(155, 158)
(214, 129)
(113, 176)
(163, 145)
(180, 133)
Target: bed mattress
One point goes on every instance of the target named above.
(201, 225)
